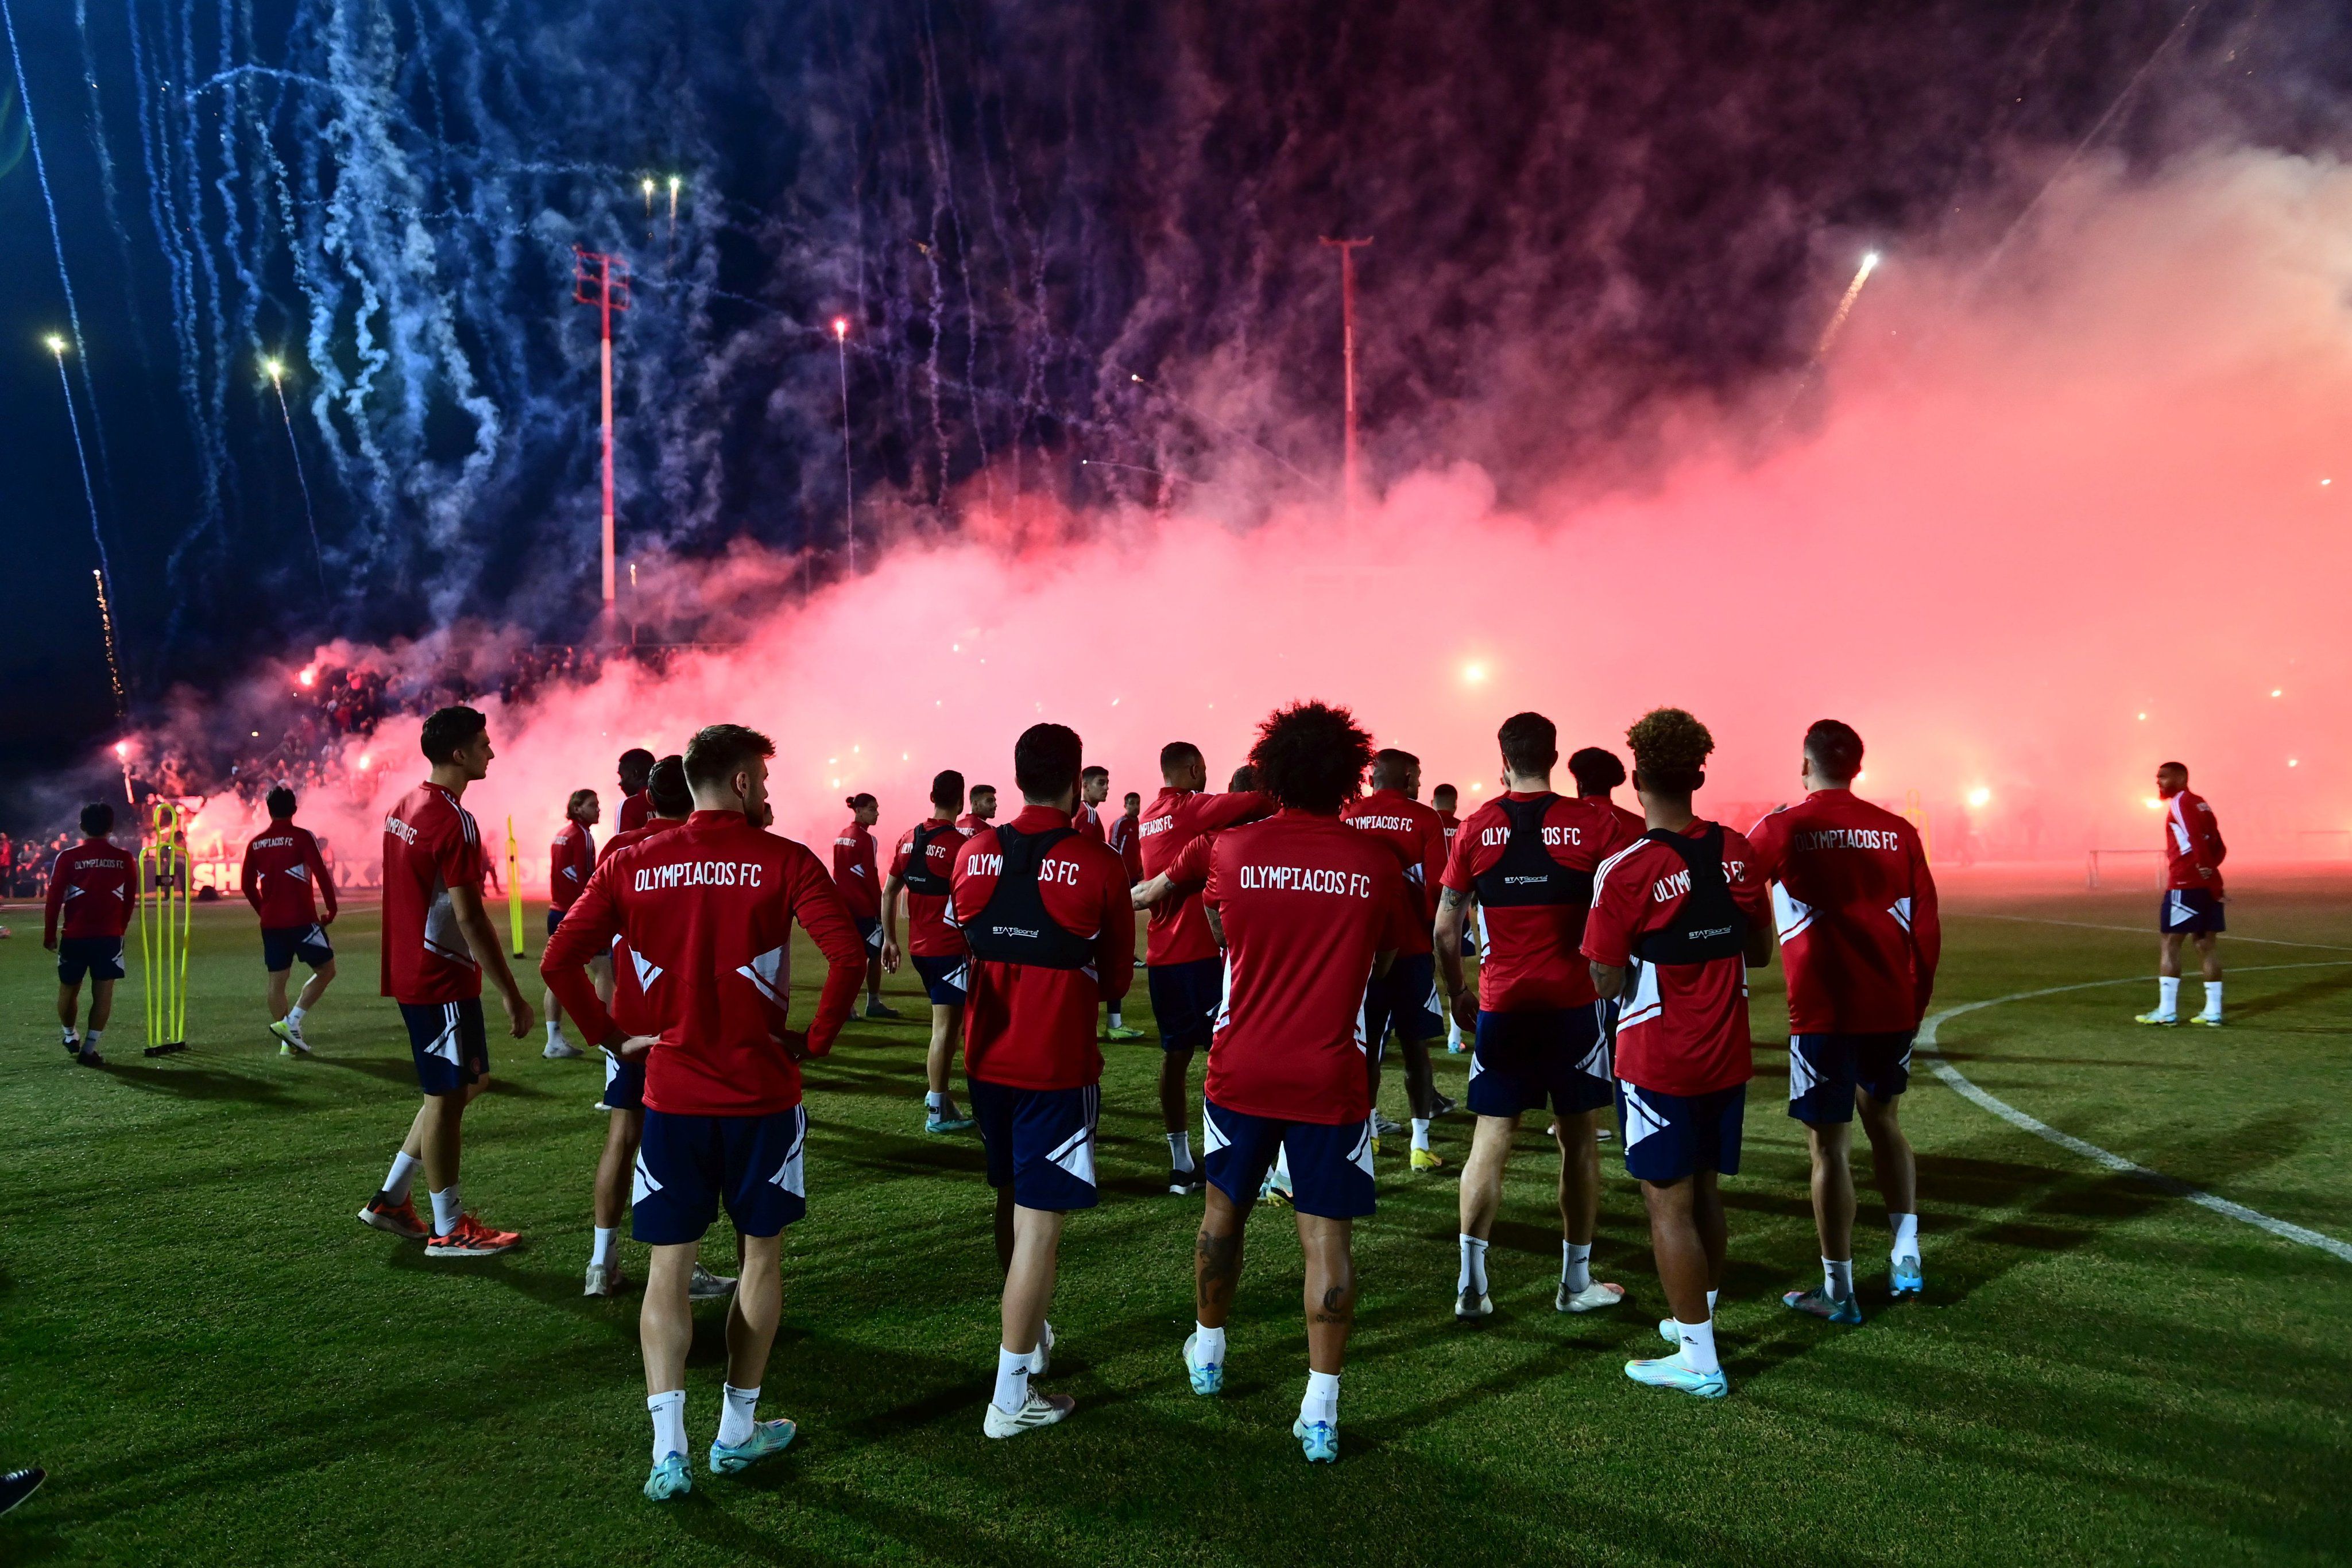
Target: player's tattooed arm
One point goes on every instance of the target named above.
(1608, 979)
(1216, 923)
(1446, 938)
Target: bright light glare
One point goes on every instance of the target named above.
(1869, 260)
(2277, 693)
(122, 749)
(2143, 718)
(1474, 673)
(276, 368)
(308, 677)
(1980, 797)
(673, 184)
(57, 344)
(2294, 762)
(649, 184)
(2152, 803)
(841, 326)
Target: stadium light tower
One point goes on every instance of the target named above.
(1346, 249)
(603, 281)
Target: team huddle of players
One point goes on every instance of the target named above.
(1295, 922)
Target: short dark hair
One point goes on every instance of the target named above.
(1530, 743)
(2179, 768)
(1244, 778)
(279, 802)
(1835, 748)
(579, 798)
(859, 801)
(1596, 772)
(1389, 765)
(447, 729)
(666, 787)
(635, 763)
(1094, 770)
(1670, 750)
(1311, 756)
(1444, 792)
(1047, 760)
(97, 820)
(980, 790)
(1178, 754)
(720, 751)
(947, 789)
(1133, 799)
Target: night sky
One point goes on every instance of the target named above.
(1581, 213)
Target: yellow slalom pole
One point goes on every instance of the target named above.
(185, 890)
(514, 890)
(148, 870)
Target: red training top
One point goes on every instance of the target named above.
(1029, 1026)
(1856, 911)
(853, 871)
(1527, 959)
(969, 824)
(1452, 825)
(91, 884)
(2192, 844)
(569, 859)
(929, 933)
(1635, 823)
(285, 876)
(430, 845)
(1119, 836)
(1307, 905)
(1683, 1028)
(637, 810)
(628, 1007)
(1178, 932)
(1417, 835)
(707, 909)
(1088, 820)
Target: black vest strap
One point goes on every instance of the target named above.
(1526, 874)
(920, 878)
(1013, 927)
(1709, 926)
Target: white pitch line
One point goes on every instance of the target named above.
(2136, 931)
(1959, 1084)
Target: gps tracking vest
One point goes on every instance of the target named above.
(1709, 926)
(920, 878)
(1013, 926)
(1526, 874)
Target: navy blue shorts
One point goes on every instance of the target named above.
(1405, 999)
(1040, 1142)
(1669, 1136)
(1331, 1168)
(1185, 1000)
(690, 1166)
(446, 1038)
(946, 979)
(625, 1084)
(2189, 909)
(1523, 1061)
(100, 957)
(1824, 1069)
(281, 945)
(554, 919)
(869, 931)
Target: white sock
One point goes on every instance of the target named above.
(1045, 1343)
(1837, 1278)
(2167, 994)
(1420, 1133)
(2212, 998)
(1575, 1266)
(404, 1166)
(89, 1039)
(294, 1016)
(935, 1101)
(607, 1239)
(447, 1205)
(1710, 1304)
(554, 1030)
(69, 1033)
(1453, 1037)
(1906, 1234)
(1698, 1345)
(1473, 1267)
(1209, 1350)
(669, 1423)
(1116, 1021)
(1322, 1401)
(1180, 1151)
(735, 1415)
(1012, 1380)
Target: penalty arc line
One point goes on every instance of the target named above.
(2133, 931)
(1954, 1080)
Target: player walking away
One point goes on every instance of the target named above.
(437, 939)
(855, 873)
(1182, 963)
(1860, 936)
(982, 812)
(569, 859)
(1053, 935)
(1444, 799)
(624, 1077)
(637, 806)
(1597, 772)
(707, 909)
(1094, 788)
(284, 878)
(1119, 835)
(1527, 860)
(1678, 919)
(921, 866)
(2192, 897)
(1405, 1000)
(1311, 916)
(90, 889)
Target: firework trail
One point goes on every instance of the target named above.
(104, 571)
(278, 384)
(1845, 306)
(108, 187)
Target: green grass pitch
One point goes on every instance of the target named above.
(217, 1365)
